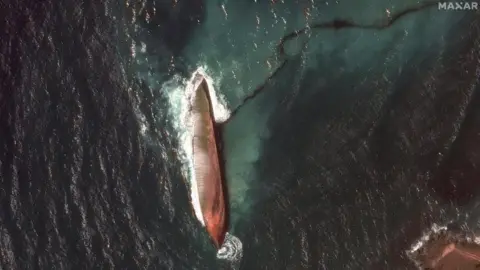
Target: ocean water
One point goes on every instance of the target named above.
(350, 130)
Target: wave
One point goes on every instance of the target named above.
(231, 250)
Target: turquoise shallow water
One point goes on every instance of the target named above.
(342, 148)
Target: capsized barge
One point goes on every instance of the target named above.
(448, 250)
(208, 190)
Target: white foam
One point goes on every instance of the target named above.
(220, 110)
(425, 237)
(231, 250)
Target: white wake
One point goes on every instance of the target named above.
(231, 250)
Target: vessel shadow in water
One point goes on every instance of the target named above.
(208, 188)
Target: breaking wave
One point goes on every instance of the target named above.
(231, 250)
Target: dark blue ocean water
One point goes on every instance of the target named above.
(348, 138)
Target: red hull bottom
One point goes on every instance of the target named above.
(207, 164)
(449, 251)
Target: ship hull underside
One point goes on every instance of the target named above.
(207, 167)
